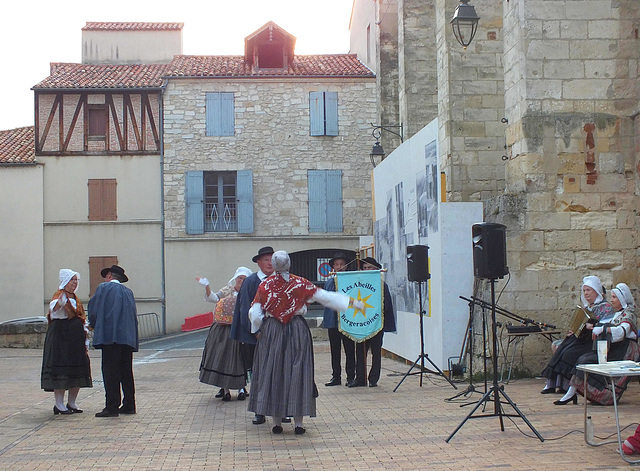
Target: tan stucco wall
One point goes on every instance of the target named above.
(135, 238)
(21, 241)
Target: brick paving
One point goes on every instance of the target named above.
(181, 426)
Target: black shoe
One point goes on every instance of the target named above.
(277, 429)
(220, 393)
(561, 391)
(107, 413)
(334, 382)
(548, 391)
(127, 410)
(355, 384)
(259, 419)
(300, 430)
(373, 384)
(573, 399)
(242, 395)
(226, 397)
(75, 410)
(286, 420)
(57, 411)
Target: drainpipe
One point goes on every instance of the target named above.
(164, 299)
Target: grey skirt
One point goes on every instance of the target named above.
(282, 380)
(221, 363)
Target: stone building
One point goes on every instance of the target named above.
(269, 148)
(538, 120)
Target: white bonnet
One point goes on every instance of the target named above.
(593, 282)
(624, 295)
(65, 277)
(239, 272)
(281, 261)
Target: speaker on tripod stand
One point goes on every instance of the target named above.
(418, 272)
(490, 262)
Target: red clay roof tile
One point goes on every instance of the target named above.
(17, 146)
(103, 76)
(131, 26)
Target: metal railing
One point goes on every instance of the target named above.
(149, 325)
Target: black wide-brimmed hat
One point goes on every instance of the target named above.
(117, 270)
(338, 256)
(371, 261)
(263, 251)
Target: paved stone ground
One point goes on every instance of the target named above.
(181, 426)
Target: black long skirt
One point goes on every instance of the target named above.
(566, 357)
(65, 362)
(222, 364)
(283, 378)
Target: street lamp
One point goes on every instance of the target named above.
(377, 150)
(464, 23)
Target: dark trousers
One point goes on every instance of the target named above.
(362, 348)
(117, 370)
(337, 341)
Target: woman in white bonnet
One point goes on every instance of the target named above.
(561, 366)
(620, 330)
(221, 363)
(65, 361)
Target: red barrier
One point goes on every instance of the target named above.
(199, 321)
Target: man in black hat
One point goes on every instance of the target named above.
(113, 317)
(241, 326)
(338, 263)
(375, 342)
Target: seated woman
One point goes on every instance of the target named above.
(561, 366)
(621, 331)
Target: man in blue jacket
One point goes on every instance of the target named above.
(113, 317)
(241, 326)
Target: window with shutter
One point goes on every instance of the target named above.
(325, 200)
(103, 199)
(220, 120)
(97, 122)
(323, 113)
(219, 202)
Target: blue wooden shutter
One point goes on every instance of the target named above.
(334, 200)
(316, 113)
(194, 197)
(220, 114)
(244, 191)
(317, 200)
(213, 108)
(227, 114)
(331, 113)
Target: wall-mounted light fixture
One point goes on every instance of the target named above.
(377, 150)
(464, 23)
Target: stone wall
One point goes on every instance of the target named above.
(417, 78)
(471, 105)
(571, 202)
(272, 138)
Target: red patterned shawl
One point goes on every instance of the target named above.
(281, 298)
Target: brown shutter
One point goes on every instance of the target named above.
(96, 264)
(109, 199)
(103, 200)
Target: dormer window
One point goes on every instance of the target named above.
(271, 55)
(270, 47)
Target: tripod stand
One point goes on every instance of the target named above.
(467, 349)
(495, 390)
(423, 356)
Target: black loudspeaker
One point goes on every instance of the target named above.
(489, 250)
(418, 263)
